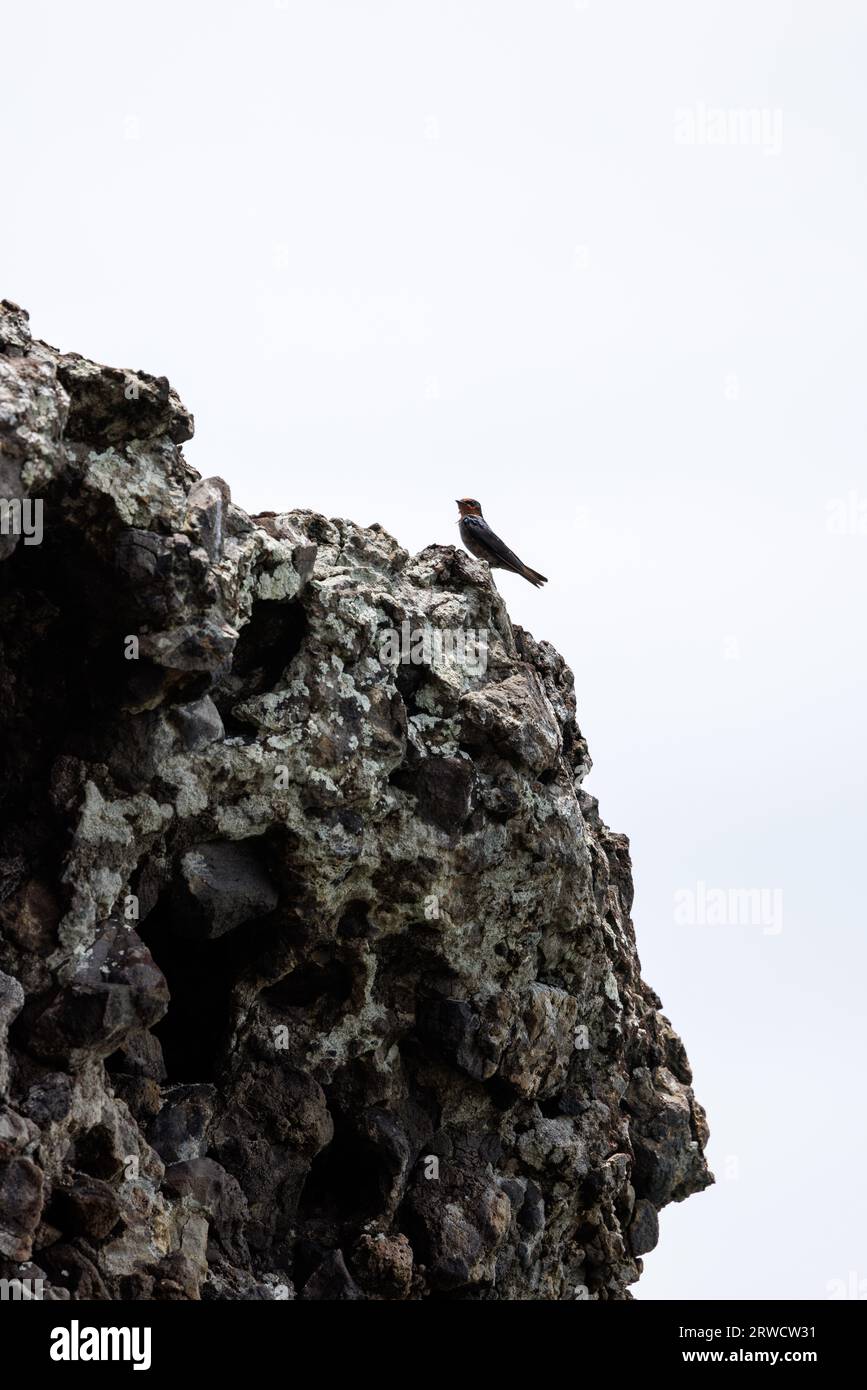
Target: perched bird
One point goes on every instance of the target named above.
(485, 544)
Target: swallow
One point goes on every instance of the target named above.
(485, 544)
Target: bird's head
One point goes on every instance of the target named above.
(468, 506)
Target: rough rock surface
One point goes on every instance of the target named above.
(318, 974)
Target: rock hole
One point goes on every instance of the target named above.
(310, 982)
(268, 642)
(201, 976)
(94, 1153)
(354, 923)
(265, 647)
(348, 1181)
(408, 680)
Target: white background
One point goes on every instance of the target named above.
(395, 253)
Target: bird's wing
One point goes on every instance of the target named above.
(482, 532)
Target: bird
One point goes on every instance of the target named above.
(485, 544)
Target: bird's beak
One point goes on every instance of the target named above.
(457, 501)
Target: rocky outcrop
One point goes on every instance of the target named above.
(318, 974)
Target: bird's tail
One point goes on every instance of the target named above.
(534, 576)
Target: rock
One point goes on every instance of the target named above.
(219, 1194)
(11, 1004)
(199, 723)
(274, 1124)
(317, 969)
(28, 923)
(332, 1281)
(443, 789)
(515, 717)
(141, 1095)
(89, 1208)
(49, 1100)
(458, 1223)
(542, 1043)
(16, 1133)
(462, 1035)
(74, 1271)
(204, 515)
(644, 1228)
(383, 1264)
(21, 1185)
(178, 1132)
(108, 405)
(227, 886)
(140, 1054)
(667, 1135)
(112, 991)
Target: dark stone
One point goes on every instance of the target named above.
(443, 788)
(116, 990)
(332, 1281)
(16, 1133)
(21, 1183)
(89, 1208)
(71, 1268)
(200, 723)
(178, 1133)
(220, 1195)
(457, 1030)
(383, 1264)
(226, 887)
(140, 1055)
(644, 1228)
(49, 1100)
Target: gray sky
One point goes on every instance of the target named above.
(601, 265)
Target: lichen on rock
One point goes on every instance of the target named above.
(318, 973)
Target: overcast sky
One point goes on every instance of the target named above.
(602, 265)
